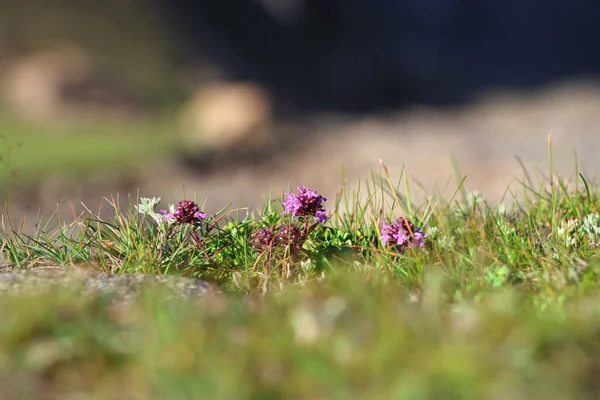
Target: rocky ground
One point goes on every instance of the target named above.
(484, 137)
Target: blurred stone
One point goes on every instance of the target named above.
(58, 83)
(223, 115)
(31, 86)
(123, 288)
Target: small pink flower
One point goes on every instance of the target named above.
(307, 203)
(186, 212)
(401, 233)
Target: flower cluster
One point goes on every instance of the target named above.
(306, 210)
(290, 235)
(186, 212)
(305, 204)
(287, 235)
(264, 238)
(302, 206)
(401, 234)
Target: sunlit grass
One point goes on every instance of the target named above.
(502, 302)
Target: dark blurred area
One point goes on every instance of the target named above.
(366, 54)
(349, 55)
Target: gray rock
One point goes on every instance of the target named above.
(123, 287)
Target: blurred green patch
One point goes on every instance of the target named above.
(350, 337)
(29, 151)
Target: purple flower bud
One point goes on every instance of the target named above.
(307, 203)
(262, 239)
(186, 212)
(401, 233)
(290, 235)
(287, 236)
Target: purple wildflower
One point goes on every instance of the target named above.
(401, 233)
(304, 204)
(186, 212)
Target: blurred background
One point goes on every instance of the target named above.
(236, 99)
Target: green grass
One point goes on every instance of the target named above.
(502, 302)
(30, 151)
